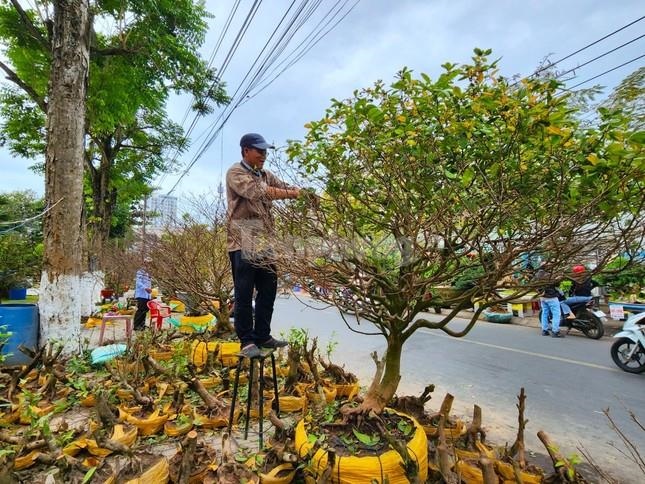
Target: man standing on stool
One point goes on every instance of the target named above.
(250, 191)
(142, 291)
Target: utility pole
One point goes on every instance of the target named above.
(143, 227)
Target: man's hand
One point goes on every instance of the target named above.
(148, 290)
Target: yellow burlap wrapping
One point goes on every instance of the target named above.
(159, 473)
(199, 352)
(359, 470)
(290, 403)
(227, 352)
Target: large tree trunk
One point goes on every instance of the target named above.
(104, 200)
(60, 283)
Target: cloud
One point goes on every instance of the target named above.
(374, 42)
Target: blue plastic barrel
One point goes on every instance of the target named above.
(17, 293)
(22, 321)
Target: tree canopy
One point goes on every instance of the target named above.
(427, 180)
(21, 239)
(141, 52)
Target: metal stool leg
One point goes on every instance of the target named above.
(235, 385)
(248, 401)
(261, 400)
(276, 401)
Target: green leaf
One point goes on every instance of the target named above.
(88, 475)
(404, 426)
(369, 440)
(468, 176)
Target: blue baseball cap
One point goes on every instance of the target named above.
(254, 140)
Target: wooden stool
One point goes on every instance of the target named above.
(264, 352)
(116, 317)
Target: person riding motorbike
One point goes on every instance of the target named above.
(580, 290)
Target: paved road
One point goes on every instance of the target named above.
(568, 381)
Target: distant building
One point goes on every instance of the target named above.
(162, 211)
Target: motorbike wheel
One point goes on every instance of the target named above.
(593, 327)
(622, 347)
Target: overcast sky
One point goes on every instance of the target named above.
(374, 41)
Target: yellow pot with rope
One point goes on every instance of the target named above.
(359, 470)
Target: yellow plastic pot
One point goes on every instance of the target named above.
(173, 429)
(454, 432)
(347, 391)
(227, 352)
(211, 381)
(505, 470)
(177, 305)
(199, 352)
(26, 461)
(161, 355)
(328, 393)
(149, 425)
(123, 435)
(159, 473)
(469, 473)
(358, 470)
(216, 422)
(292, 403)
(273, 477)
(475, 455)
(88, 401)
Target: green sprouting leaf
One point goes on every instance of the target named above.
(88, 475)
(241, 457)
(404, 426)
(468, 176)
(312, 439)
(374, 114)
(638, 137)
(4, 452)
(369, 440)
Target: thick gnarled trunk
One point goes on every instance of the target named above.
(386, 380)
(60, 283)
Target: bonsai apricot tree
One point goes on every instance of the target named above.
(190, 259)
(426, 180)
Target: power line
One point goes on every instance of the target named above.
(542, 69)
(306, 49)
(600, 56)
(238, 38)
(271, 57)
(606, 72)
(22, 223)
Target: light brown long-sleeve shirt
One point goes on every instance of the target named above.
(249, 218)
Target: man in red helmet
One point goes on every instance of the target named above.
(580, 290)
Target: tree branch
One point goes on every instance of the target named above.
(33, 95)
(31, 28)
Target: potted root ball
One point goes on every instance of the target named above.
(392, 448)
(497, 314)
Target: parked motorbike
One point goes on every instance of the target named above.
(628, 351)
(588, 319)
